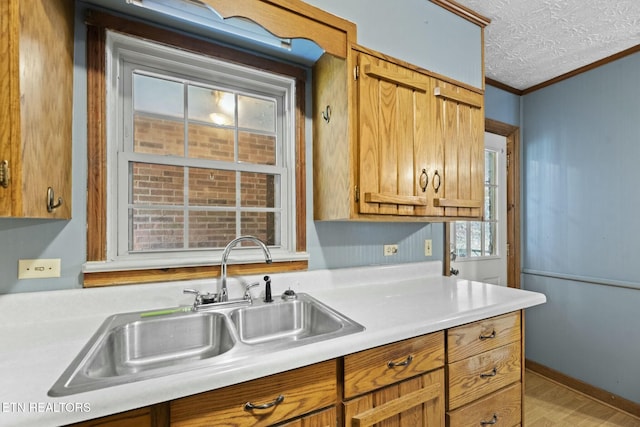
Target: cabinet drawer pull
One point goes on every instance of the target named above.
(392, 364)
(493, 420)
(493, 373)
(250, 406)
(487, 337)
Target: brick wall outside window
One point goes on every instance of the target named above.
(162, 222)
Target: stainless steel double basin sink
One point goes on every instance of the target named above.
(130, 347)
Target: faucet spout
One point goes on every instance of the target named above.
(224, 296)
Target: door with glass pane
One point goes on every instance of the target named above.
(479, 248)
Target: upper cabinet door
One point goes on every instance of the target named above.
(36, 91)
(393, 138)
(460, 130)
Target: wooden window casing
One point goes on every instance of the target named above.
(97, 25)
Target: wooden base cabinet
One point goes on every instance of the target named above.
(416, 402)
(36, 91)
(470, 375)
(484, 372)
(263, 402)
(399, 384)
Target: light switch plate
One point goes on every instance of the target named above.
(38, 268)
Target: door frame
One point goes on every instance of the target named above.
(512, 134)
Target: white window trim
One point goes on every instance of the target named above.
(119, 46)
(500, 199)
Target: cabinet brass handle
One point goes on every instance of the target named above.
(488, 337)
(424, 180)
(433, 181)
(493, 420)
(250, 406)
(493, 373)
(405, 362)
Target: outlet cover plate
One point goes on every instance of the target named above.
(38, 268)
(390, 250)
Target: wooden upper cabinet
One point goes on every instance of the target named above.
(393, 142)
(36, 89)
(459, 130)
(396, 156)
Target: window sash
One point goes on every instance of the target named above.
(122, 71)
(491, 189)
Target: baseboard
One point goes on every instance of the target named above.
(596, 393)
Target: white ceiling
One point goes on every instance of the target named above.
(532, 41)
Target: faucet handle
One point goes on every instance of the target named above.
(201, 298)
(247, 291)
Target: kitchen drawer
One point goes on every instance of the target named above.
(478, 337)
(377, 367)
(303, 390)
(503, 407)
(477, 376)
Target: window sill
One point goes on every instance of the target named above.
(111, 273)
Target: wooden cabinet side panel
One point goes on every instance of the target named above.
(46, 96)
(331, 140)
(305, 390)
(8, 18)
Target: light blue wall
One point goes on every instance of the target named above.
(417, 31)
(331, 245)
(581, 231)
(502, 106)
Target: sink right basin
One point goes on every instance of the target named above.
(302, 320)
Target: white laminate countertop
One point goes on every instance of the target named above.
(42, 332)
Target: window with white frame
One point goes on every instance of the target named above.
(200, 151)
(479, 239)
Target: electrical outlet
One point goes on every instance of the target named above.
(38, 268)
(390, 250)
(428, 250)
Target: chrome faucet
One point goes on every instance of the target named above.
(225, 256)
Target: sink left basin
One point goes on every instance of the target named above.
(129, 347)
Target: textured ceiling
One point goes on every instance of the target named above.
(531, 41)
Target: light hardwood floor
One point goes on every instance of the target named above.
(547, 403)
